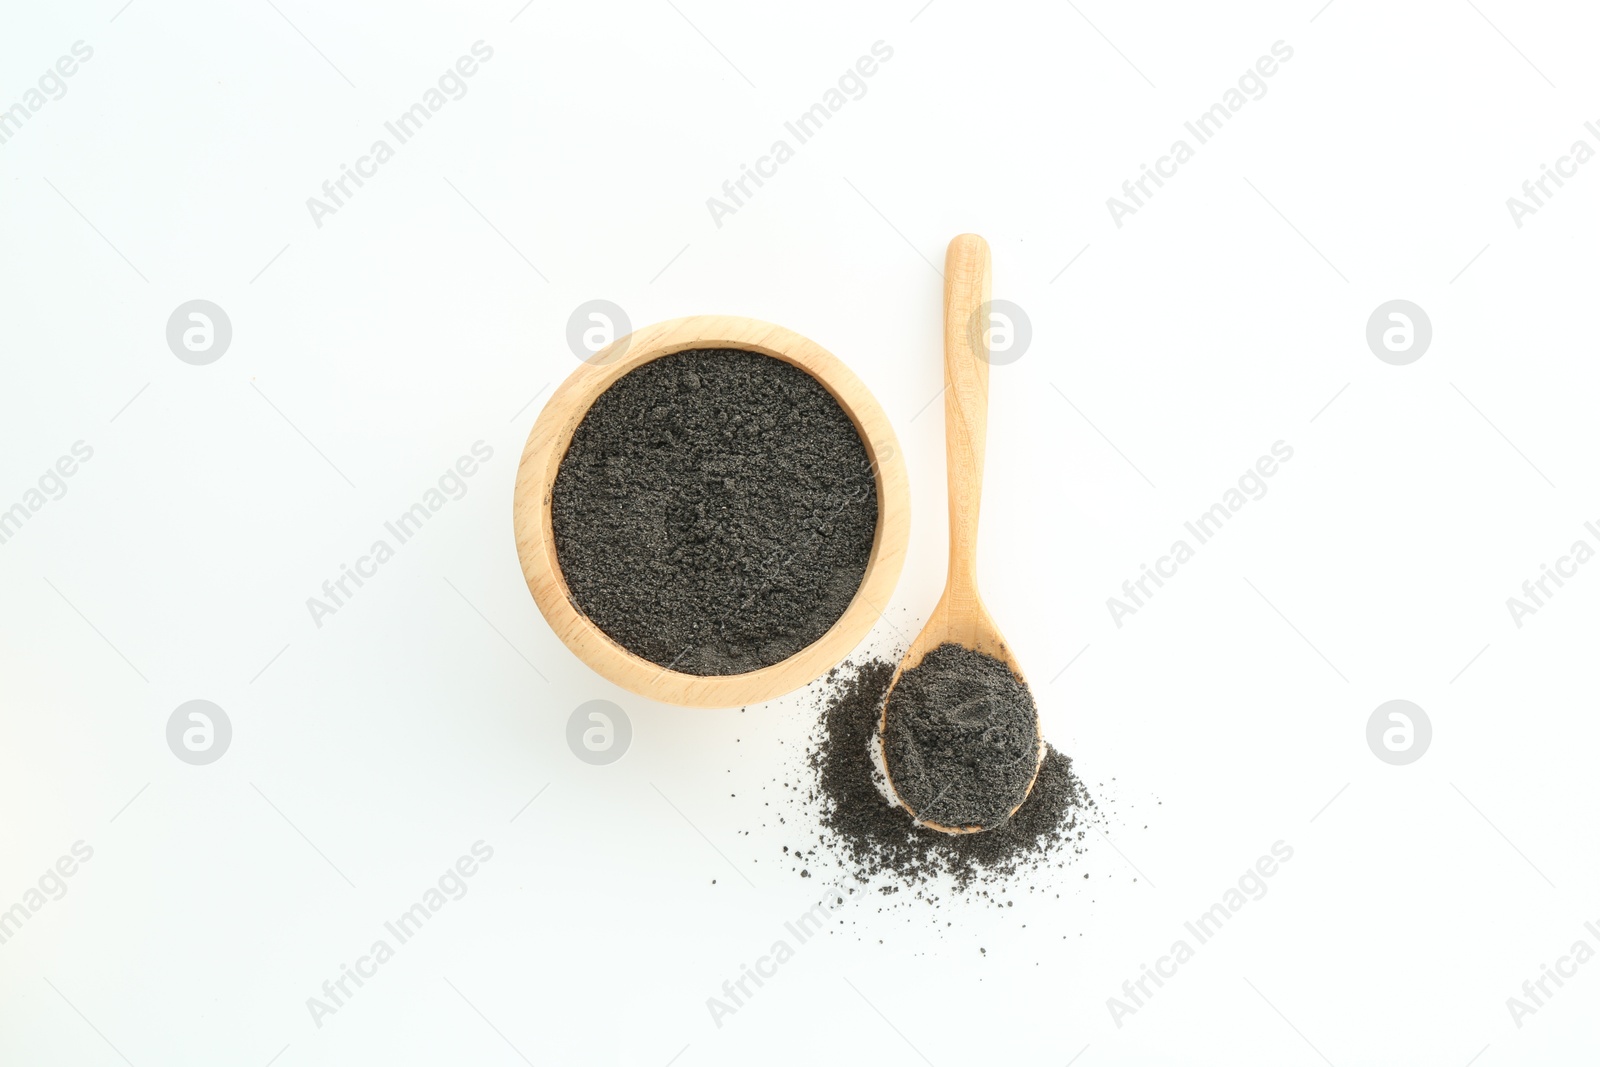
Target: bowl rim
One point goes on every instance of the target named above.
(552, 433)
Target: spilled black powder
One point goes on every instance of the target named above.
(961, 738)
(877, 844)
(715, 511)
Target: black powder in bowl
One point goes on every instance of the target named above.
(715, 511)
(961, 738)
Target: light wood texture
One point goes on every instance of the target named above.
(547, 444)
(960, 617)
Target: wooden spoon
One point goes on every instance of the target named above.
(960, 617)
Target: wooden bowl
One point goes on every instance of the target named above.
(547, 444)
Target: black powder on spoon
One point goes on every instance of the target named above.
(715, 511)
(961, 738)
(873, 842)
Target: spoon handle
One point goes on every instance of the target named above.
(966, 407)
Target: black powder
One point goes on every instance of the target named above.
(961, 739)
(876, 843)
(715, 511)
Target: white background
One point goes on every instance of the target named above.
(369, 353)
